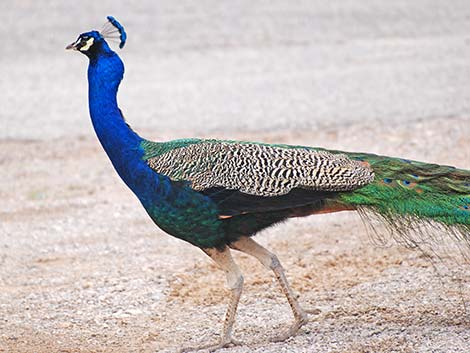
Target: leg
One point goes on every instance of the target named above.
(269, 260)
(235, 283)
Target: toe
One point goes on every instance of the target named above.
(292, 331)
(212, 347)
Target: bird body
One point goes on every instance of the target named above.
(244, 185)
(217, 194)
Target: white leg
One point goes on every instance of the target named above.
(270, 261)
(235, 284)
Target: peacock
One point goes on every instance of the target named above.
(217, 194)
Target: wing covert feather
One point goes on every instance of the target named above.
(259, 169)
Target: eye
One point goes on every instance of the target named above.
(85, 43)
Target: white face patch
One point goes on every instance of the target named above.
(87, 45)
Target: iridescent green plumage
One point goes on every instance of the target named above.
(404, 188)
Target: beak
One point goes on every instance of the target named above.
(73, 46)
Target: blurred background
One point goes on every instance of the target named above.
(82, 268)
(211, 66)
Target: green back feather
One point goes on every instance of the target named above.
(153, 149)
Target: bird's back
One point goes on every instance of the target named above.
(255, 168)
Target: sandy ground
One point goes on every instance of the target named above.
(82, 268)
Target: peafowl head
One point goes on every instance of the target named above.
(93, 43)
(89, 43)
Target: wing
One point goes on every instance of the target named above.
(249, 177)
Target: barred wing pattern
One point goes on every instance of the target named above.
(261, 170)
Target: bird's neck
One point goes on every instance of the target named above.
(119, 141)
(104, 76)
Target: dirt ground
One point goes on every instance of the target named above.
(82, 268)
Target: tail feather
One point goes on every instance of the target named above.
(410, 196)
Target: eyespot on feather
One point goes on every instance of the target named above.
(406, 184)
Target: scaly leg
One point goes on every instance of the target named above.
(269, 260)
(235, 284)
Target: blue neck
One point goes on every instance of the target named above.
(120, 142)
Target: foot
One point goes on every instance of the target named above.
(292, 331)
(230, 342)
